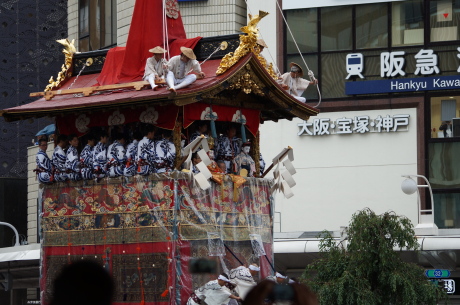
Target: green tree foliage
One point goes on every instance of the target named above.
(370, 271)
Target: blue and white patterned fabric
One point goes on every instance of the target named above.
(194, 135)
(58, 161)
(72, 164)
(145, 158)
(100, 160)
(86, 162)
(44, 168)
(131, 165)
(227, 150)
(116, 159)
(262, 165)
(165, 156)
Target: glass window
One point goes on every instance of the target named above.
(407, 23)
(303, 25)
(444, 167)
(372, 26)
(336, 28)
(97, 24)
(445, 117)
(447, 210)
(444, 20)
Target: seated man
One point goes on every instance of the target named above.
(154, 67)
(116, 156)
(228, 146)
(146, 155)
(179, 66)
(100, 156)
(72, 163)
(44, 168)
(86, 158)
(131, 153)
(293, 82)
(59, 158)
(166, 153)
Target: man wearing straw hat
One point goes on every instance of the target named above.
(179, 66)
(293, 82)
(155, 67)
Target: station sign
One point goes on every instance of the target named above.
(427, 75)
(449, 285)
(437, 273)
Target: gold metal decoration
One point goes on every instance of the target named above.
(223, 45)
(89, 62)
(248, 43)
(246, 83)
(69, 50)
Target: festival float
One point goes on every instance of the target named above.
(146, 229)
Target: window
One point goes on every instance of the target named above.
(336, 28)
(445, 117)
(447, 210)
(407, 23)
(444, 20)
(303, 24)
(97, 24)
(372, 26)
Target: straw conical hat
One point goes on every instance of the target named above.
(157, 50)
(188, 52)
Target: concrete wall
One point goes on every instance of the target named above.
(32, 192)
(338, 175)
(201, 18)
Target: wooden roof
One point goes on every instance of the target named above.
(246, 84)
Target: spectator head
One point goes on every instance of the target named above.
(83, 282)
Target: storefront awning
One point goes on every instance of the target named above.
(20, 253)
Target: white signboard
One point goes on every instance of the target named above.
(358, 124)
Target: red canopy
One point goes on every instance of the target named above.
(146, 32)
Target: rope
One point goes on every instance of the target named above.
(310, 72)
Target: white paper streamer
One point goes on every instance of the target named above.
(277, 158)
(288, 178)
(204, 157)
(202, 181)
(291, 154)
(276, 172)
(204, 170)
(289, 166)
(191, 145)
(286, 190)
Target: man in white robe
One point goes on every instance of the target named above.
(179, 67)
(243, 277)
(116, 157)
(155, 67)
(59, 158)
(213, 293)
(294, 84)
(44, 168)
(72, 162)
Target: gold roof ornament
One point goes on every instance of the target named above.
(248, 43)
(69, 50)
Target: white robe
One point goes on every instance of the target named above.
(243, 279)
(212, 293)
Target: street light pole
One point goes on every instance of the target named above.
(426, 225)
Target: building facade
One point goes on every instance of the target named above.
(389, 80)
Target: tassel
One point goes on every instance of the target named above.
(243, 133)
(213, 129)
